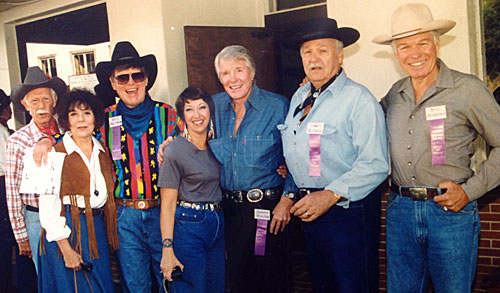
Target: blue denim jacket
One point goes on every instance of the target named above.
(250, 159)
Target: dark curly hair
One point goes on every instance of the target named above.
(79, 99)
(193, 93)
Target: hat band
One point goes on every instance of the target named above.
(404, 33)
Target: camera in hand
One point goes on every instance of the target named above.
(87, 266)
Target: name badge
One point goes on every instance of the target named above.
(436, 116)
(315, 128)
(260, 214)
(434, 113)
(115, 121)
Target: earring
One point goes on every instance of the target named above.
(211, 132)
(185, 133)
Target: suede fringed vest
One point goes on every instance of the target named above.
(75, 180)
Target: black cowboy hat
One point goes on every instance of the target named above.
(125, 53)
(4, 101)
(319, 28)
(35, 78)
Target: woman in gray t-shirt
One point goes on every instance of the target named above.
(192, 223)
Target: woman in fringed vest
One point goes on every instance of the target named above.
(80, 221)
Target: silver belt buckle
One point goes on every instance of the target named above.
(418, 193)
(141, 204)
(255, 195)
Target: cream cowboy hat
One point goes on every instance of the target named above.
(411, 19)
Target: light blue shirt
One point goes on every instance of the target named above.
(354, 159)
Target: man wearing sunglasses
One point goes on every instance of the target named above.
(132, 131)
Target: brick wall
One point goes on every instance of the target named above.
(489, 239)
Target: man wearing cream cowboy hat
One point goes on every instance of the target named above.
(433, 115)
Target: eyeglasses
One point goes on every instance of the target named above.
(124, 78)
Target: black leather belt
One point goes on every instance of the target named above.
(95, 212)
(305, 191)
(419, 193)
(31, 208)
(253, 195)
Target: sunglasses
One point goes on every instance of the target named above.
(124, 78)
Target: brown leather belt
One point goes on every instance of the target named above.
(95, 212)
(418, 193)
(138, 204)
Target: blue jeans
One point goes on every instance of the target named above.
(342, 245)
(199, 246)
(140, 248)
(424, 240)
(32, 220)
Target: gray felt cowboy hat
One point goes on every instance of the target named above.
(411, 19)
(35, 78)
(125, 53)
(319, 28)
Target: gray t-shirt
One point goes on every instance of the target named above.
(193, 172)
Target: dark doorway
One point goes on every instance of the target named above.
(80, 27)
(279, 68)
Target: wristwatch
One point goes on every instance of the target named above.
(291, 195)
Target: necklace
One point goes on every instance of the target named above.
(93, 179)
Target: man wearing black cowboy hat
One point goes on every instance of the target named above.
(38, 94)
(133, 130)
(335, 147)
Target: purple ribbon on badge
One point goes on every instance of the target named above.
(260, 237)
(116, 148)
(438, 142)
(315, 155)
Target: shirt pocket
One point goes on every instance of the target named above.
(259, 151)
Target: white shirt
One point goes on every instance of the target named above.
(50, 204)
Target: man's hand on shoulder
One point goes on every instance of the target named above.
(313, 205)
(41, 150)
(454, 199)
(162, 147)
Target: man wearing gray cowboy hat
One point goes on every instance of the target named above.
(133, 130)
(335, 147)
(38, 94)
(433, 116)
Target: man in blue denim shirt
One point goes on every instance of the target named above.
(248, 146)
(335, 147)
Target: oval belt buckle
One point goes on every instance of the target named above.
(141, 204)
(255, 195)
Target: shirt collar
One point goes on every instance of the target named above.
(444, 80)
(70, 145)
(255, 100)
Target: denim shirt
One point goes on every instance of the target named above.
(250, 159)
(353, 143)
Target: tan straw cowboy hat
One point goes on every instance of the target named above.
(411, 19)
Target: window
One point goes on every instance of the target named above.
(84, 62)
(48, 65)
